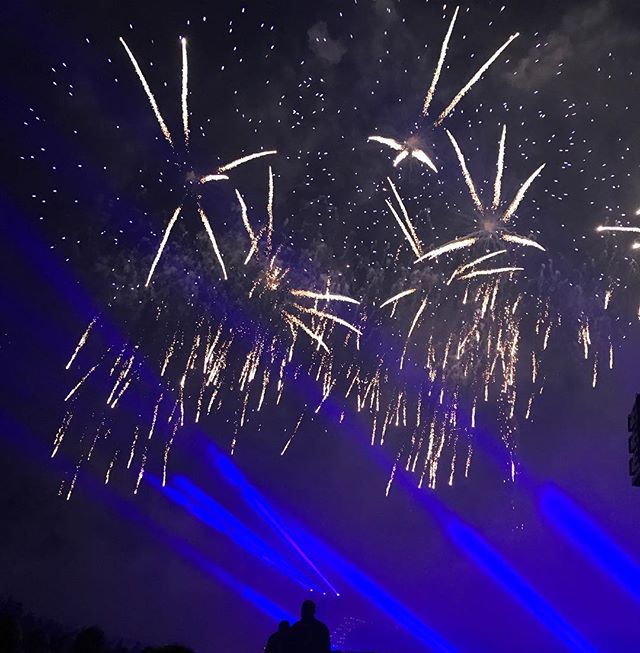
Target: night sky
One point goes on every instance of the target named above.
(531, 546)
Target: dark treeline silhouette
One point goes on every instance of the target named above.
(22, 632)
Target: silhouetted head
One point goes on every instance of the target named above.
(283, 627)
(308, 610)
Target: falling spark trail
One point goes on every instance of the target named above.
(299, 323)
(207, 178)
(329, 316)
(635, 230)
(81, 343)
(480, 273)
(520, 194)
(212, 238)
(183, 97)
(244, 159)
(80, 382)
(400, 158)
(438, 70)
(413, 326)
(163, 243)
(473, 263)
(520, 240)
(448, 247)
(465, 173)
(421, 156)
(414, 236)
(325, 296)
(61, 433)
(147, 90)
(414, 245)
(474, 79)
(390, 142)
(270, 212)
(400, 295)
(497, 187)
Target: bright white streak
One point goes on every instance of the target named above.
(414, 246)
(473, 263)
(448, 247)
(438, 70)
(497, 187)
(244, 159)
(634, 230)
(414, 235)
(80, 382)
(413, 326)
(483, 273)
(212, 238)
(270, 212)
(299, 323)
(389, 142)
(423, 158)
(163, 243)
(465, 173)
(81, 342)
(245, 221)
(400, 295)
(520, 240)
(483, 69)
(400, 158)
(183, 96)
(328, 316)
(147, 90)
(520, 194)
(325, 296)
(206, 178)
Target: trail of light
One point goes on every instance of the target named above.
(591, 539)
(407, 235)
(438, 70)
(405, 213)
(465, 173)
(497, 187)
(400, 158)
(81, 342)
(80, 382)
(163, 243)
(400, 295)
(390, 142)
(473, 263)
(270, 212)
(259, 504)
(463, 91)
(245, 219)
(413, 326)
(61, 433)
(147, 90)
(183, 97)
(481, 273)
(325, 296)
(635, 230)
(520, 240)
(492, 563)
(299, 323)
(212, 238)
(244, 159)
(520, 194)
(201, 505)
(207, 178)
(451, 246)
(328, 316)
(422, 156)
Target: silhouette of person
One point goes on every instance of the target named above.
(279, 641)
(89, 640)
(309, 635)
